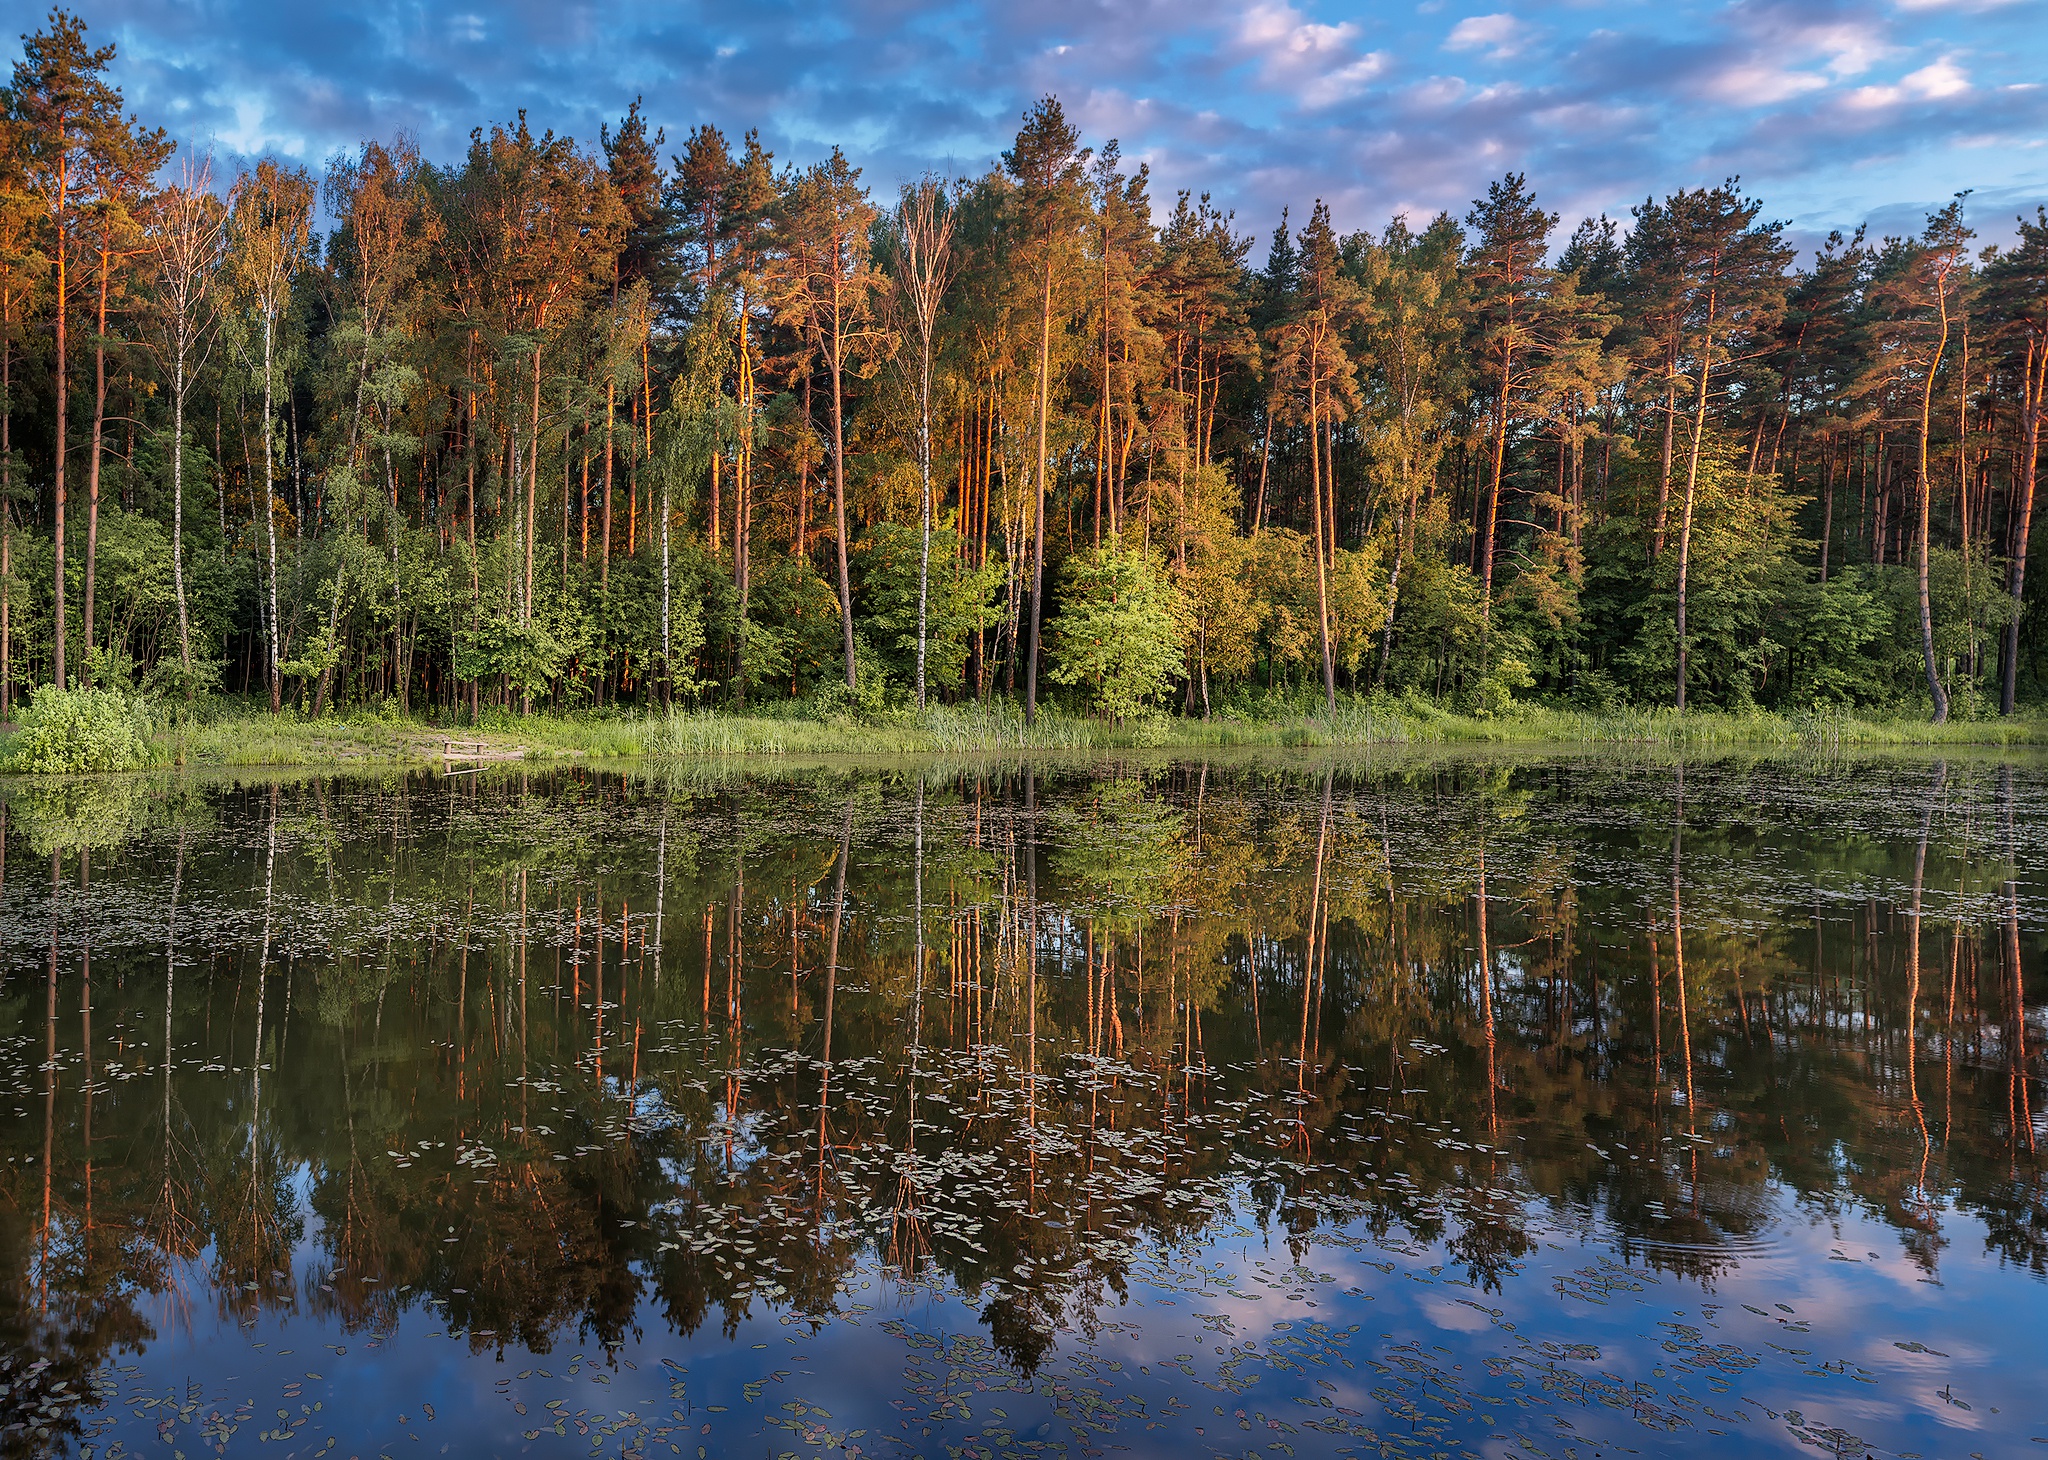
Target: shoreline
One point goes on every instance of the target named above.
(233, 738)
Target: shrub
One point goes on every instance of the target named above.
(66, 731)
(1117, 634)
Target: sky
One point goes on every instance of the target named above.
(1834, 112)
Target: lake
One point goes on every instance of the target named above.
(1573, 1105)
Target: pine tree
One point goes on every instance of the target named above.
(1510, 284)
(1317, 380)
(823, 284)
(1048, 165)
(2018, 301)
(83, 161)
(1916, 307)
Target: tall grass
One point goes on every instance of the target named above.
(229, 735)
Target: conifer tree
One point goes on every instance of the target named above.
(823, 285)
(1730, 273)
(1048, 165)
(1315, 375)
(82, 160)
(1510, 284)
(2018, 283)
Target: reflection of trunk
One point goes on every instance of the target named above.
(256, 1054)
(1486, 997)
(1317, 919)
(1678, 931)
(831, 985)
(660, 886)
(1029, 937)
(1913, 976)
(2012, 953)
(85, 1020)
(50, 1078)
(522, 999)
(906, 1234)
(168, 1217)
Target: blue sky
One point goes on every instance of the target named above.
(1833, 111)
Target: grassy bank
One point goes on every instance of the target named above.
(229, 736)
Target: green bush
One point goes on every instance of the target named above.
(66, 731)
(1117, 635)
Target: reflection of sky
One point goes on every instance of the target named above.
(1575, 1348)
(1834, 111)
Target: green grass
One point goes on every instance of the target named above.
(229, 735)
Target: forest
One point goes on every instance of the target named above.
(669, 422)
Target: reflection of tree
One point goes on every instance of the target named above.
(1003, 1030)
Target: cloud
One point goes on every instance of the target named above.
(1830, 109)
(1497, 35)
(1753, 83)
(1318, 64)
(1940, 81)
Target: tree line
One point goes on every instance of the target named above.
(646, 424)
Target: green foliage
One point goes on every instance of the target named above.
(69, 731)
(1118, 633)
(1438, 627)
(958, 599)
(1495, 693)
(793, 636)
(1744, 572)
(64, 813)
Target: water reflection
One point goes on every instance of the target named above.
(1025, 1109)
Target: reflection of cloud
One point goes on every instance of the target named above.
(1457, 1317)
(1829, 109)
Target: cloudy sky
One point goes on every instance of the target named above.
(1834, 111)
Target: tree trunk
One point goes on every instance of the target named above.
(604, 561)
(1500, 456)
(1692, 476)
(1827, 513)
(532, 484)
(62, 366)
(1322, 581)
(177, 515)
(839, 485)
(1664, 475)
(2036, 387)
(270, 515)
(1402, 527)
(1925, 485)
(924, 467)
(6, 515)
(1038, 544)
(92, 490)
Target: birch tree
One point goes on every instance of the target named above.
(190, 232)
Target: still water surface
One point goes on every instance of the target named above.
(1568, 1107)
